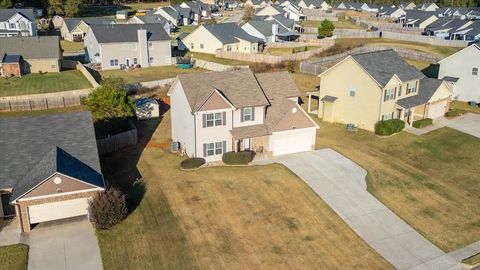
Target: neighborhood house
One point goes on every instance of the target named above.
(122, 46)
(17, 22)
(218, 112)
(22, 55)
(384, 87)
(50, 167)
(461, 70)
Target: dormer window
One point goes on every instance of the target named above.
(247, 114)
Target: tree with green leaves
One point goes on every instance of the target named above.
(110, 101)
(55, 7)
(6, 3)
(326, 28)
(248, 13)
(72, 8)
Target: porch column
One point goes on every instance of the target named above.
(309, 110)
(412, 111)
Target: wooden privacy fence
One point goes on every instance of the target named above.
(355, 33)
(274, 59)
(317, 66)
(118, 141)
(43, 101)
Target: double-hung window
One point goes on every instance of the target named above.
(475, 71)
(353, 91)
(411, 87)
(247, 114)
(229, 48)
(213, 119)
(399, 92)
(389, 94)
(12, 26)
(213, 149)
(114, 62)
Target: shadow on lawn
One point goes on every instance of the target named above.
(120, 168)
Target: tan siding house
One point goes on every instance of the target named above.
(379, 86)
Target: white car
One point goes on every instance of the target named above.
(217, 15)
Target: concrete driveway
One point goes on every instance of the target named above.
(341, 184)
(65, 244)
(468, 123)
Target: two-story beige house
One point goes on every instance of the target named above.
(369, 87)
(217, 112)
(119, 46)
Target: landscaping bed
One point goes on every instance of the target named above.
(422, 123)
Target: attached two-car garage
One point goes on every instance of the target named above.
(437, 109)
(57, 210)
(292, 141)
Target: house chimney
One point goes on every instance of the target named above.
(143, 53)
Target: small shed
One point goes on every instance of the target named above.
(11, 65)
(121, 15)
(147, 108)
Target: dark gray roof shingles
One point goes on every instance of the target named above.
(427, 87)
(25, 142)
(41, 47)
(229, 33)
(127, 32)
(382, 65)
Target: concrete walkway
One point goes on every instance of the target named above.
(341, 184)
(437, 123)
(468, 123)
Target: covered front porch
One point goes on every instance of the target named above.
(251, 138)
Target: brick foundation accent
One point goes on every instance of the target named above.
(22, 206)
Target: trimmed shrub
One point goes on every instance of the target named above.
(192, 163)
(389, 127)
(453, 113)
(108, 208)
(422, 123)
(237, 158)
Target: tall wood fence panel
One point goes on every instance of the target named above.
(118, 141)
(43, 101)
(274, 59)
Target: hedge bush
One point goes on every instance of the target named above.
(389, 127)
(453, 113)
(192, 163)
(237, 158)
(108, 208)
(422, 123)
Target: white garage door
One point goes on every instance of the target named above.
(437, 109)
(292, 141)
(58, 210)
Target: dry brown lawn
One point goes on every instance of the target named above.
(261, 217)
(430, 181)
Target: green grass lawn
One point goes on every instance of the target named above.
(213, 58)
(14, 257)
(68, 46)
(110, 10)
(464, 107)
(149, 74)
(418, 64)
(430, 181)
(287, 51)
(259, 217)
(43, 83)
(340, 24)
(344, 44)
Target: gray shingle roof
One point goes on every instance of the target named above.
(328, 98)
(71, 23)
(278, 85)
(57, 160)
(11, 59)
(240, 87)
(229, 33)
(25, 141)
(7, 13)
(427, 87)
(39, 47)
(151, 17)
(382, 65)
(127, 32)
(265, 27)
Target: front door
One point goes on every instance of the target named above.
(127, 62)
(246, 144)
